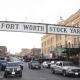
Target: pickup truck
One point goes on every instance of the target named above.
(66, 68)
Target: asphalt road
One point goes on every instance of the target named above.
(43, 74)
(14, 59)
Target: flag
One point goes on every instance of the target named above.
(42, 20)
(61, 18)
(52, 54)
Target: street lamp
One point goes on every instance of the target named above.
(41, 58)
(79, 42)
(69, 49)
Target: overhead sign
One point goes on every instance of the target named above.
(23, 27)
(63, 30)
(38, 28)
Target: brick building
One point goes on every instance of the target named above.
(35, 51)
(3, 50)
(51, 41)
(24, 51)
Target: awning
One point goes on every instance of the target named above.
(72, 49)
(73, 57)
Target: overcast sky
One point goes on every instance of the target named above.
(32, 11)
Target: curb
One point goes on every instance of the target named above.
(1, 75)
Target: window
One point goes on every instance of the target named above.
(78, 40)
(51, 40)
(68, 64)
(48, 49)
(74, 40)
(57, 64)
(42, 44)
(45, 50)
(45, 43)
(48, 42)
(56, 37)
(51, 47)
(60, 37)
(60, 64)
(78, 24)
(42, 50)
(60, 44)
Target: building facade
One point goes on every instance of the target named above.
(31, 52)
(3, 50)
(24, 51)
(36, 51)
(51, 41)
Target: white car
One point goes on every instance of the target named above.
(45, 64)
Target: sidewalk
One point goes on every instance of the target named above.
(1, 75)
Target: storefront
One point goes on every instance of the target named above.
(73, 55)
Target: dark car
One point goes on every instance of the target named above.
(20, 64)
(3, 64)
(12, 69)
(34, 64)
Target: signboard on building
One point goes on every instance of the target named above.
(22, 27)
(63, 30)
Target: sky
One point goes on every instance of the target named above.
(32, 11)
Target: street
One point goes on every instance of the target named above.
(43, 74)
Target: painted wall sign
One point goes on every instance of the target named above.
(63, 30)
(23, 27)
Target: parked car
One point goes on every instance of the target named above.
(34, 64)
(3, 64)
(0, 66)
(20, 63)
(66, 68)
(12, 69)
(45, 64)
